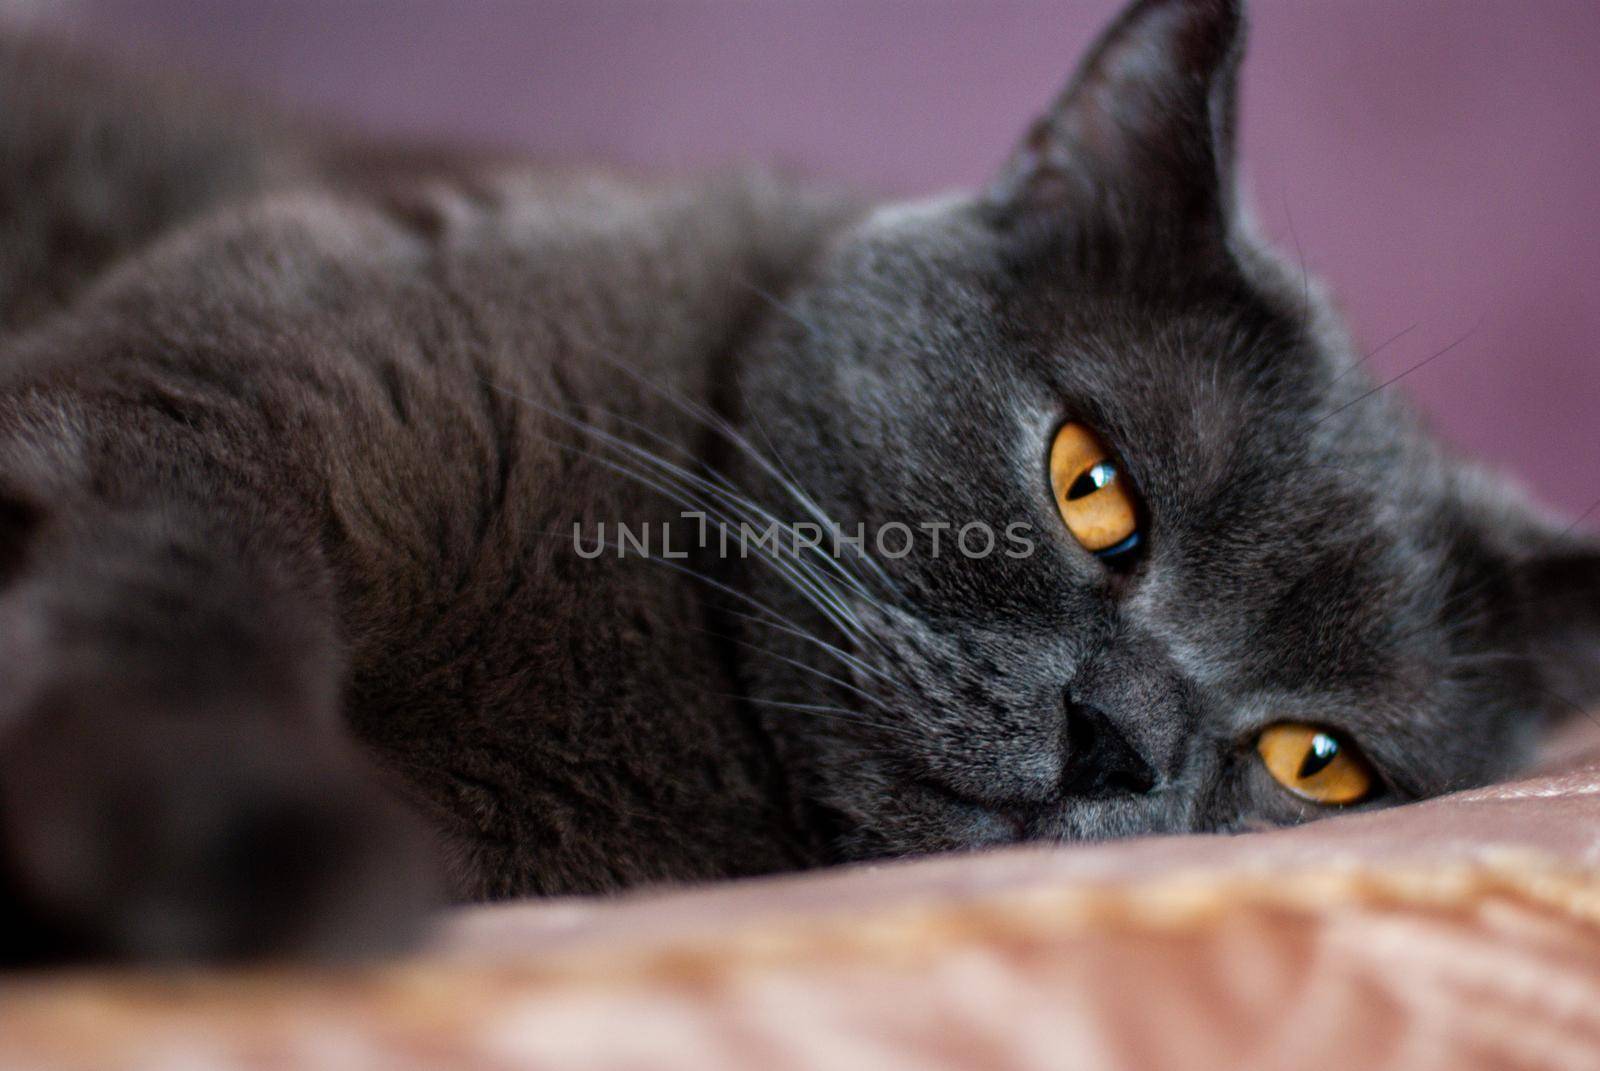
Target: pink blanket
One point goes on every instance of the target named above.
(1462, 932)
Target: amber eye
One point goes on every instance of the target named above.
(1096, 500)
(1314, 764)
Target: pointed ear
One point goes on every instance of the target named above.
(1141, 140)
(1559, 591)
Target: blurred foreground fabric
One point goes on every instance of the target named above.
(1457, 933)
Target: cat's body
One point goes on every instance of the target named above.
(291, 467)
(355, 387)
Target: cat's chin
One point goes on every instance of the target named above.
(973, 823)
(928, 818)
(923, 818)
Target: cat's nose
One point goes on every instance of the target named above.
(1129, 717)
(1100, 760)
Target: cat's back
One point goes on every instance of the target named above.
(100, 154)
(499, 375)
(432, 367)
(424, 366)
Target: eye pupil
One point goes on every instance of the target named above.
(1096, 477)
(1315, 764)
(1323, 750)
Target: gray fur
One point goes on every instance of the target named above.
(288, 494)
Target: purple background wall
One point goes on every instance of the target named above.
(1436, 159)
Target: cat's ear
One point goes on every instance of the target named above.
(1141, 140)
(1559, 593)
(1546, 598)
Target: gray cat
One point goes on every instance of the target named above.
(1058, 511)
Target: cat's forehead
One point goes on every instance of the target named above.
(1250, 358)
(1227, 403)
(1212, 394)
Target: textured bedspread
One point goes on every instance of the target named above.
(1463, 932)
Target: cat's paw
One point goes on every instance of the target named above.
(203, 841)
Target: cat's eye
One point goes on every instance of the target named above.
(1314, 764)
(1096, 499)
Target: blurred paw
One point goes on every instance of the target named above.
(163, 840)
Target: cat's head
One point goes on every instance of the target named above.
(1215, 580)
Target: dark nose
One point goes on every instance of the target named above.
(1100, 760)
(1130, 716)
